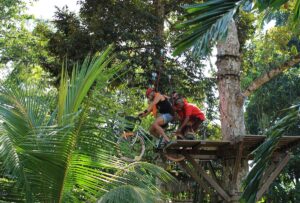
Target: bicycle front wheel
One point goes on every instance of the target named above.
(131, 148)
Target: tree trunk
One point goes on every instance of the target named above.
(159, 42)
(231, 105)
(231, 99)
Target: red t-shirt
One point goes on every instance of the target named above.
(190, 110)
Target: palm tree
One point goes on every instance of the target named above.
(53, 156)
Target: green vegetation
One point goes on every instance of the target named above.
(71, 79)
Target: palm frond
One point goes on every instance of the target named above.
(138, 184)
(263, 153)
(42, 150)
(129, 194)
(206, 23)
(35, 150)
(276, 4)
(73, 91)
(264, 4)
(297, 11)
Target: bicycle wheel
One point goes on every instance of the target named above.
(131, 148)
(174, 157)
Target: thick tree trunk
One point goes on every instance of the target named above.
(231, 100)
(159, 42)
(231, 105)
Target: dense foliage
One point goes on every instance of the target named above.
(47, 151)
(57, 143)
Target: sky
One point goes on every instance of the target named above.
(45, 8)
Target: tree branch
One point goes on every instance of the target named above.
(270, 75)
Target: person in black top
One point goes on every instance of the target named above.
(162, 110)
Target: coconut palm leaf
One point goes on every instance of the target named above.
(129, 194)
(206, 23)
(34, 153)
(263, 153)
(138, 184)
(44, 152)
(264, 4)
(297, 11)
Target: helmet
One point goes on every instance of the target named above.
(149, 90)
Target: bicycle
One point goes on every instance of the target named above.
(131, 142)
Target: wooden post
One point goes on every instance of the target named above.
(210, 180)
(194, 175)
(212, 171)
(273, 175)
(237, 163)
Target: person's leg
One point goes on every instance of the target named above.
(162, 120)
(185, 130)
(153, 131)
(196, 124)
(157, 127)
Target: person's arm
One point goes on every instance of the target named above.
(187, 116)
(151, 105)
(144, 113)
(184, 123)
(167, 97)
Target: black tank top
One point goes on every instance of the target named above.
(164, 107)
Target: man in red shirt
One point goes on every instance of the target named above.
(190, 117)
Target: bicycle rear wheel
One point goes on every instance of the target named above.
(131, 148)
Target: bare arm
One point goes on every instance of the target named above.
(151, 105)
(184, 123)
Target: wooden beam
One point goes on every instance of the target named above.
(212, 171)
(237, 162)
(194, 175)
(197, 152)
(273, 176)
(205, 157)
(210, 180)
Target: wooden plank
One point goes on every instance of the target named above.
(194, 175)
(196, 143)
(226, 149)
(273, 175)
(287, 142)
(212, 171)
(210, 180)
(201, 152)
(205, 157)
(237, 162)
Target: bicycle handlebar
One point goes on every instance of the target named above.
(133, 119)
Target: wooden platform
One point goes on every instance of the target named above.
(210, 150)
(189, 153)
